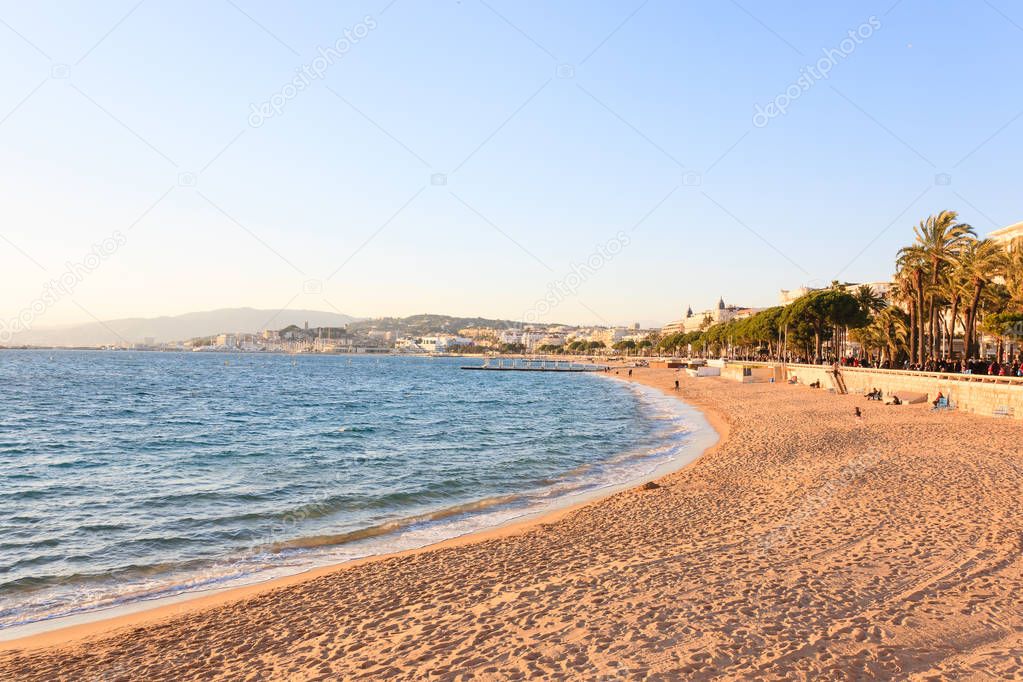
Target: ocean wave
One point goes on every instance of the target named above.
(396, 525)
(355, 429)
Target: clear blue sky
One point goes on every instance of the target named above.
(558, 125)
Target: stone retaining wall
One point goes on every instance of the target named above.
(1000, 396)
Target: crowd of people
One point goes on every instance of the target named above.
(1011, 368)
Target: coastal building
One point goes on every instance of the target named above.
(609, 335)
(509, 336)
(881, 289)
(679, 325)
(692, 322)
(227, 340)
(552, 340)
(332, 345)
(787, 296)
(479, 333)
(1008, 234)
(381, 336)
(407, 344)
(441, 343)
(531, 338)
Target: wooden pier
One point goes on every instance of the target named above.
(533, 366)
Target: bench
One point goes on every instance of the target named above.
(1003, 411)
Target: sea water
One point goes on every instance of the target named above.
(134, 476)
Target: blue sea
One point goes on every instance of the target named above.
(131, 477)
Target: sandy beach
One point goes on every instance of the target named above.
(808, 544)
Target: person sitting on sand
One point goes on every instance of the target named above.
(895, 400)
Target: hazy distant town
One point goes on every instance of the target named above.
(424, 334)
(399, 336)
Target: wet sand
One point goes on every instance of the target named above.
(807, 544)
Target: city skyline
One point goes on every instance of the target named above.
(497, 159)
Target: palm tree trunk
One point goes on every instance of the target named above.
(971, 320)
(952, 326)
(935, 269)
(934, 336)
(921, 339)
(921, 320)
(913, 332)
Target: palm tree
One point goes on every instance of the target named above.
(1014, 274)
(901, 296)
(912, 265)
(939, 240)
(951, 290)
(869, 301)
(886, 333)
(979, 264)
(892, 329)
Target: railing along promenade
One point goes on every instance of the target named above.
(908, 373)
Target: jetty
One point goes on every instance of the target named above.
(532, 365)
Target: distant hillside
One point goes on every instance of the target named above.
(419, 325)
(178, 327)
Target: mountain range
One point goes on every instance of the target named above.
(176, 327)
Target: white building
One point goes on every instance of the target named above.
(789, 295)
(609, 336)
(408, 344)
(381, 335)
(531, 339)
(692, 322)
(509, 336)
(227, 340)
(1008, 234)
(442, 343)
(881, 289)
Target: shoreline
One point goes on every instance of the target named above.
(68, 629)
(810, 542)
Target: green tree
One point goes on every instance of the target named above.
(818, 314)
(980, 263)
